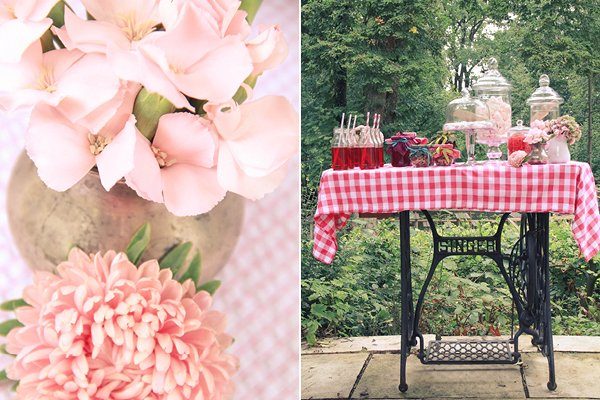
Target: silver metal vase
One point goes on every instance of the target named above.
(46, 224)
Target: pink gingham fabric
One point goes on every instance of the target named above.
(560, 188)
(260, 291)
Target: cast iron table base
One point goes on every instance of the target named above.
(526, 273)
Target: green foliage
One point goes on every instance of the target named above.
(210, 287)
(358, 295)
(12, 305)
(7, 326)
(175, 258)
(194, 269)
(138, 244)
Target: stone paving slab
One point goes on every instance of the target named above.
(381, 377)
(577, 375)
(577, 344)
(330, 377)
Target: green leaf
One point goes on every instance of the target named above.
(175, 258)
(12, 305)
(3, 376)
(148, 109)
(193, 271)
(57, 14)
(251, 7)
(138, 243)
(210, 287)
(7, 326)
(4, 351)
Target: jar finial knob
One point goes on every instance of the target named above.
(544, 80)
(519, 122)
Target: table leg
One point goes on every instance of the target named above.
(405, 296)
(548, 342)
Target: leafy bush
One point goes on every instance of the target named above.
(359, 294)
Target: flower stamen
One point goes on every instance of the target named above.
(162, 157)
(98, 143)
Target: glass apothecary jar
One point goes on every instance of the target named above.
(494, 90)
(516, 138)
(544, 103)
(469, 115)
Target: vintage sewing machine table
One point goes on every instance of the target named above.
(533, 191)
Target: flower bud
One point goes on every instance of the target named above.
(148, 109)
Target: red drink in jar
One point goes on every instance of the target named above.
(338, 158)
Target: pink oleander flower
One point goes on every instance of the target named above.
(178, 167)
(536, 135)
(517, 159)
(65, 151)
(22, 22)
(104, 329)
(210, 67)
(256, 140)
(58, 77)
(117, 24)
(224, 16)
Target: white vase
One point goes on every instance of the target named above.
(558, 150)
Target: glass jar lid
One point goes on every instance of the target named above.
(545, 94)
(466, 109)
(519, 128)
(492, 80)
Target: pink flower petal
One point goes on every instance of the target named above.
(90, 75)
(59, 149)
(146, 177)
(266, 137)
(233, 178)
(21, 34)
(117, 160)
(110, 118)
(133, 66)
(59, 61)
(34, 10)
(219, 74)
(268, 50)
(186, 138)
(207, 68)
(90, 36)
(191, 190)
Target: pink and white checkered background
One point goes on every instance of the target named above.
(260, 291)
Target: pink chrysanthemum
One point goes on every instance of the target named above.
(517, 158)
(103, 328)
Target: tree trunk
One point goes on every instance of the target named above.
(340, 87)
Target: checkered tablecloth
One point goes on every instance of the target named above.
(560, 188)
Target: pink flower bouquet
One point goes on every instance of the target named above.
(566, 127)
(155, 92)
(104, 328)
(537, 133)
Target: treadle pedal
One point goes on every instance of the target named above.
(468, 352)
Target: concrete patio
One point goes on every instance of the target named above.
(369, 368)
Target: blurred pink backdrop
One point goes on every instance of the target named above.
(260, 291)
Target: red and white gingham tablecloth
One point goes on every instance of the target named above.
(560, 188)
